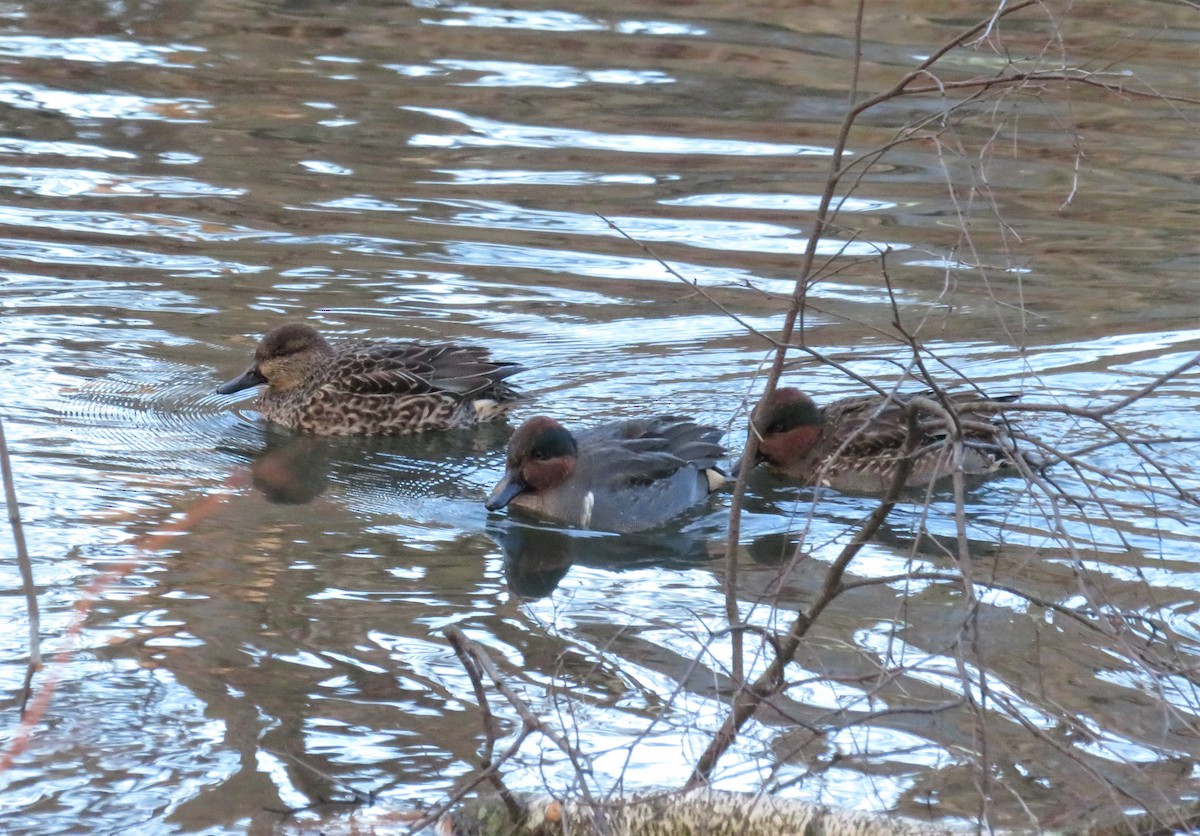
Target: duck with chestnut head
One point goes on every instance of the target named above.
(623, 476)
(856, 444)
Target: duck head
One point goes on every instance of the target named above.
(541, 456)
(788, 425)
(282, 359)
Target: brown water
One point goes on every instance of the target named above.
(178, 177)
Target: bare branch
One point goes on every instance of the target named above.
(25, 566)
(530, 720)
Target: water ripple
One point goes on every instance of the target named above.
(494, 133)
(112, 223)
(596, 265)
(745, 236)
(520, 74)
(32, 147)
(65, 182)
(601, 266)
(49, 252)
(94, 50)
(100, 105)
(166, 407)
(51, 292)
(558, 21)
(512, 177)
(779, 202)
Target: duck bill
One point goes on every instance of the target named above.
(508, 488)
(251, 377)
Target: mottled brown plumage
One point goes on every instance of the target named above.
(855, 444)
(373, 386)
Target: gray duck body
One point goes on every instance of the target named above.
(624, 476)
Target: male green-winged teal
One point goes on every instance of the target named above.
(373, 386)
(854, 444)
(624, 476)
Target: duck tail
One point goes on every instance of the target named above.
(716, 478)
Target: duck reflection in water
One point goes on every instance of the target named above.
(538, 556)
(290, 468)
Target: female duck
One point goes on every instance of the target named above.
(373, 386)
(856, 444)
(624, 476)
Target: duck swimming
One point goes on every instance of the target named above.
(624, 476)
(373, 386)
(855, 444)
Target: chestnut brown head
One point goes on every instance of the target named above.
(788, 424)
(541, 456)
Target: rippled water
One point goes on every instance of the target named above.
(177, 178)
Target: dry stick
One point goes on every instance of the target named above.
(488, 766)
(1116, 477)
(1101, 626)
(732, 613)
(515, 811)
(31, 601)
(1096, 412)
(1148, 441)
(747, 701)
(1073, 75)
(492, 771)
(955, 426)
(691, 283)
(532, 721)
(1071, 753)
(357, 797)
(733, 535)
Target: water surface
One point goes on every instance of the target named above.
(177, 178)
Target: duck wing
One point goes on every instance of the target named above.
(874, 423)
(402, 369)
(646, 450)
(864, 426)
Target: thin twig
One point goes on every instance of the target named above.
(26, 568)
(488, 766)
(532, 721)
(747, 700)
